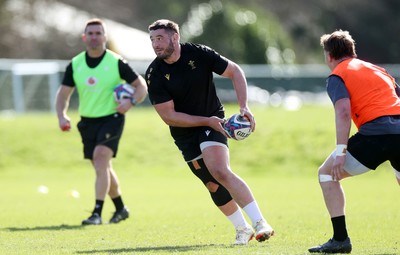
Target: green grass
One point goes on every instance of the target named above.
(171, 211)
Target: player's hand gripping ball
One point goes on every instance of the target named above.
(237, 127)
(123, 91)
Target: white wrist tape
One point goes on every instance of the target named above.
(341, 149)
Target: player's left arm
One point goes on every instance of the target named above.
(234, 72)
(135, 80)
(140, 89)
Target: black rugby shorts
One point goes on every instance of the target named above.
(105, 130)
(190, 145)
(373, 150)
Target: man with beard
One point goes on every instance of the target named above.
(182, 91)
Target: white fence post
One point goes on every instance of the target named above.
(42, 68)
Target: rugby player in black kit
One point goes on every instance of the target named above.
(182, 91)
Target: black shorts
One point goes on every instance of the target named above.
(373, 150)
(190, 145)
(105, 130)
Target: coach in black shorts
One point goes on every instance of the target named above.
(95, 73)
(181, 88)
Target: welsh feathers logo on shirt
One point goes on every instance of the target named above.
(91, 81)
(191, 64)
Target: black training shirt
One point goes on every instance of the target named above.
(188, 82)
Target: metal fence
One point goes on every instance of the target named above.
(31, 85)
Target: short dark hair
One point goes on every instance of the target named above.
(339, 44)
(95, 21)
(166, 24)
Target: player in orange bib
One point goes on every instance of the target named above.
(368, 95)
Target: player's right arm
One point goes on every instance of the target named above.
(340, 98)
(179, 119)
(62, 103)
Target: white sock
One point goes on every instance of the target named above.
(253, 212)
(237, 219)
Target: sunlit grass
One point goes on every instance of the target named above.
(171, 211)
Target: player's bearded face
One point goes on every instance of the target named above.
(167, 52)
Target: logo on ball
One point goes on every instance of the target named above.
(237, 127)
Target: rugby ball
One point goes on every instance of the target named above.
(123, 91)
(237, 127)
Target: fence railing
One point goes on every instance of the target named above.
(31, 85)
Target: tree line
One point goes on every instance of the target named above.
(247, 31)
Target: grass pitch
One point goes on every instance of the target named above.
(171, 213)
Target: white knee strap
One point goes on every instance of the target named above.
(325, 178)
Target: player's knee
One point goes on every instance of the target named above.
(325, 178)
(102, 153)
(221, 196)
(212, 186)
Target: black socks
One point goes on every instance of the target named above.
(98, 207)
(339, 228)
(119, 205)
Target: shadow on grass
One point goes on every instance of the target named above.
(170, 249)
(60, 227)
